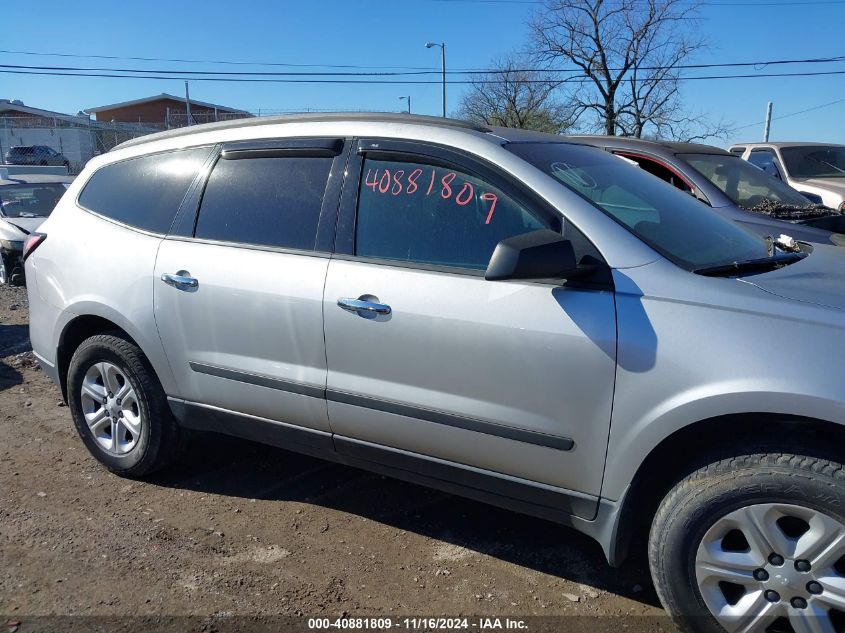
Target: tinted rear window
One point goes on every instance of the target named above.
(144, 192)
(265, 201)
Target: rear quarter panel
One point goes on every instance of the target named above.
(92, 266)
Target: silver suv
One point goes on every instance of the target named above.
(500, 314)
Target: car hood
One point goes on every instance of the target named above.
(25, 225)
(837, 185)
(818, 279)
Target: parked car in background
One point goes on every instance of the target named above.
(39, 155)
(732, 187)
(817, 170)
(497, 313)
(25, 202)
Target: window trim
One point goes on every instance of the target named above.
(271, 148)
(397, 149)
(197, 177)
(335, 147)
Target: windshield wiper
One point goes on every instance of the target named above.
(751, 265)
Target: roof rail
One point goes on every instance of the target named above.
(309, 117)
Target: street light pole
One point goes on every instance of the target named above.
(187, 103)
(442, 46)
(408, 99)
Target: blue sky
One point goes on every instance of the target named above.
(392, 33)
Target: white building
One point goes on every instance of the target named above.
(73, 136)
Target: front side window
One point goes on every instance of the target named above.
(144, 192)
(427, 214)
(675, 224)
(815, 161)
(272, 201)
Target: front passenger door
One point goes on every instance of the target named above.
(512, 378)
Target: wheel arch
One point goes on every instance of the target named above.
(693, 446)
(91, 322)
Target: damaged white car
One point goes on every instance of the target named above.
(26, 200)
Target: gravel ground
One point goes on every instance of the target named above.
(242, 529)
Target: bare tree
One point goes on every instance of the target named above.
(627, 56)
(511, 96)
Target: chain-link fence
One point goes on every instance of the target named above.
(74, 140)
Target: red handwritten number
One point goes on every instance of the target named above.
(393, 183)
(384, 182)
(446, 181)
(412, 181)
(371, 183)
(468, 190)
(493, 198)
(397, 182)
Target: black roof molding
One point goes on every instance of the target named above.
(311, 117)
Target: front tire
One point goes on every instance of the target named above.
(119, 407)
(753, 541)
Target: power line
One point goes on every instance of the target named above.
(388, 70)
(399, 81)
(209, 61)
(791, 114)
(199, 73)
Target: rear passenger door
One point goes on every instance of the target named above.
(239, 282)
(510, 382)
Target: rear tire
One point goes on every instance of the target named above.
(4, 269)
(119, 407)
(741, 541)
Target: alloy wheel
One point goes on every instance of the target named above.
(111, 408)
(774, 567)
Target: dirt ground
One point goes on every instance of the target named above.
(240, 529)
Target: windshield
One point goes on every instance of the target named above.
(30, 201)
(742, 182)
(814, 161)
(672, 222)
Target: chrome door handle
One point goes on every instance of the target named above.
(179, 280)
(359, 305)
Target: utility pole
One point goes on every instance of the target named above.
(408, 99)
(768, 123)
(443, 61)
(187, 103)
(442, 46)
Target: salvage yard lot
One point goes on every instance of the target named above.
(247, 529)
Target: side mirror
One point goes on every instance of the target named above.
(540, 254)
